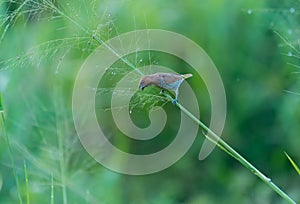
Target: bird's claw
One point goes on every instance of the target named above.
(175, 101)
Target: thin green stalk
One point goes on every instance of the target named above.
(214, 137)
(52, 190)
(26, 181)
(59, 121)
(11, 155)
(293, 163)
(218, 144)
(100, 41)
(62, 168)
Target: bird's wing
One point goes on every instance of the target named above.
(170, 78)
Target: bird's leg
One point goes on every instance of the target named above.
(176, 97)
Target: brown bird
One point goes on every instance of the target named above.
(167, 81)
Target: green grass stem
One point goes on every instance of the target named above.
(229, 150)
(52, 190)
(293, 163)
(26, 182)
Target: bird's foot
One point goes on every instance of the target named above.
(175, 101)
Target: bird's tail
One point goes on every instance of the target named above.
(185, 76)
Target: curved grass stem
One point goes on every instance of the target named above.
(213, 137)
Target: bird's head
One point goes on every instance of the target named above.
(142, 85)
(144, 82)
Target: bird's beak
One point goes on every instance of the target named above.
(141, 87)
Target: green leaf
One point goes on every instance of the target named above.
(293, 163)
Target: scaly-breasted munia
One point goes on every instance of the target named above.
(167, 81)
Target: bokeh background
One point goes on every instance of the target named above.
(254, 45)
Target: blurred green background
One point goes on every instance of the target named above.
(254, 45)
